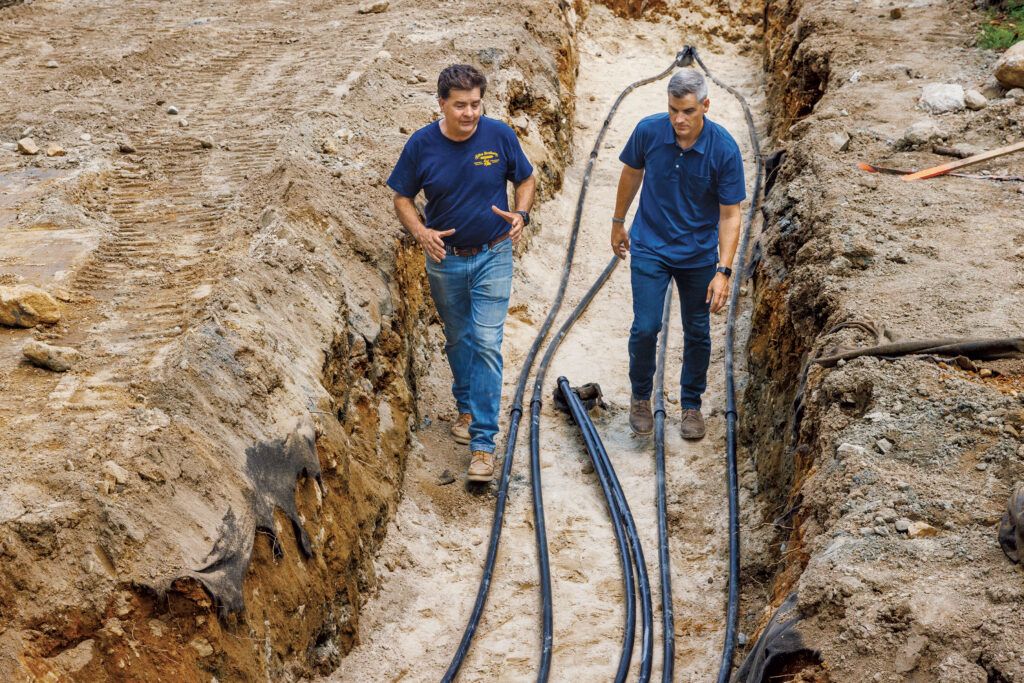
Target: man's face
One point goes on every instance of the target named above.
(461, 110)
(686, 113)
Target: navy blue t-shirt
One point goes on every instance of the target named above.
(677, 221)
(461, 180)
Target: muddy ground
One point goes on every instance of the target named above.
(261, 399)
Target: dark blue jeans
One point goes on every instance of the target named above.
(650, 279)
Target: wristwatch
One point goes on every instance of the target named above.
(724, 270)
(526, 217)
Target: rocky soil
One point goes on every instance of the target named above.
(883, 482)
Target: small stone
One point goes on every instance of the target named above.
(374, 7)
(114, 472)
(234, 307)
(206, 143)
(741, 639)
(840, 142)
(126, 147)
(28, 146)
(1015, 94)
(55, 150)
(446, 478)
(992, 89)
(902, 525)
(896, 13)
(867, 531)
(52, 64)
(587, 467)
(981, 466)
(85, 137)
(921, 133)
(846, 450)
(27, 306)
(1009, 70)
(921, 530)
(172, 110)
(202, 646)
(183, 122)
(975, 100)
(985, 372)
(884, 445)
(941, 98)
(329, 146)
(56, 358)
(344, 134)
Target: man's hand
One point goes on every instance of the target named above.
(620, 240)
(432, 242)
(515, 220)
(718, 292)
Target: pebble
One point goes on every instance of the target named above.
(329, 147)
(28, 146)
(126, 148)
(975, 100)
(921, 530)
(374, 7)
(55, 150)
(344, 134)
(985, 372)
(114, 472)
(206, 143)
(85, 137)
(27, 306)
(172, 110)
(183, 123)
(884, 445)
(587, 468)
(234, 307)
(902, 525)
(56, 358)
(849, 449)
(52, 64)
(981, 466)
(840, 142)
(446, 478)
(201, 646)
(940, 98)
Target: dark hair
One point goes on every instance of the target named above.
(460, 77)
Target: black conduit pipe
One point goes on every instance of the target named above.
(622, 511)
(665, 563)
(733, 606)
(577, 410)
(516, 412)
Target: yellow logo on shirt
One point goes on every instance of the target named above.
(486, 159)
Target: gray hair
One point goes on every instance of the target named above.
(688, 82)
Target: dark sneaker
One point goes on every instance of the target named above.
(641, 421)
(460, 428)
(693, 424)
(481, 466)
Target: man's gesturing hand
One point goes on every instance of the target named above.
(718, 292)
(432, 242)
(620, 240)
(515, 220)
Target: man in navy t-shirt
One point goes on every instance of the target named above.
(686, 228)
(463, 164)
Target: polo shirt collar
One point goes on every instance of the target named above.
(700, 146)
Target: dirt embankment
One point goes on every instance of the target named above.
(251, 319)
(886, 480)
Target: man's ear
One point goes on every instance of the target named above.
(707, 104)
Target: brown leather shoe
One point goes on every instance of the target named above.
(481, 466)
(460, 428)
(641, 420)
(692, 426)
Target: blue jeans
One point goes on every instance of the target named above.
(471, 294)
(650, 279)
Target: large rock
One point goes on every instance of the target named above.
(56, 358)
(1010, 67)
(375, 7)
(28, 146)
(940, 98)
(27, 306)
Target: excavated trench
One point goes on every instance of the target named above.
(278, 520)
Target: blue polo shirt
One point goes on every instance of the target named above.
(677, 221)
(461, 180)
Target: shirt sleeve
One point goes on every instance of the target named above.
(732, 188)
(405, 177)
(518, 167)
(633, 153)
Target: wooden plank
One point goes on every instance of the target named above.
(960, 163)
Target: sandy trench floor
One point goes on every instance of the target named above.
(430, 562)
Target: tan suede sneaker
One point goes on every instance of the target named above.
(692, 426)
(641, 420)
(460, 428)
(481, 466)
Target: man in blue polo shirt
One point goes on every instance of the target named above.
(463, 163)
(686, 228)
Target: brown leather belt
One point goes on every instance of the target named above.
(473, 251)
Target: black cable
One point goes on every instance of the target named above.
(543, 560)
(733, 605)
(578, 412)
(667, 619)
